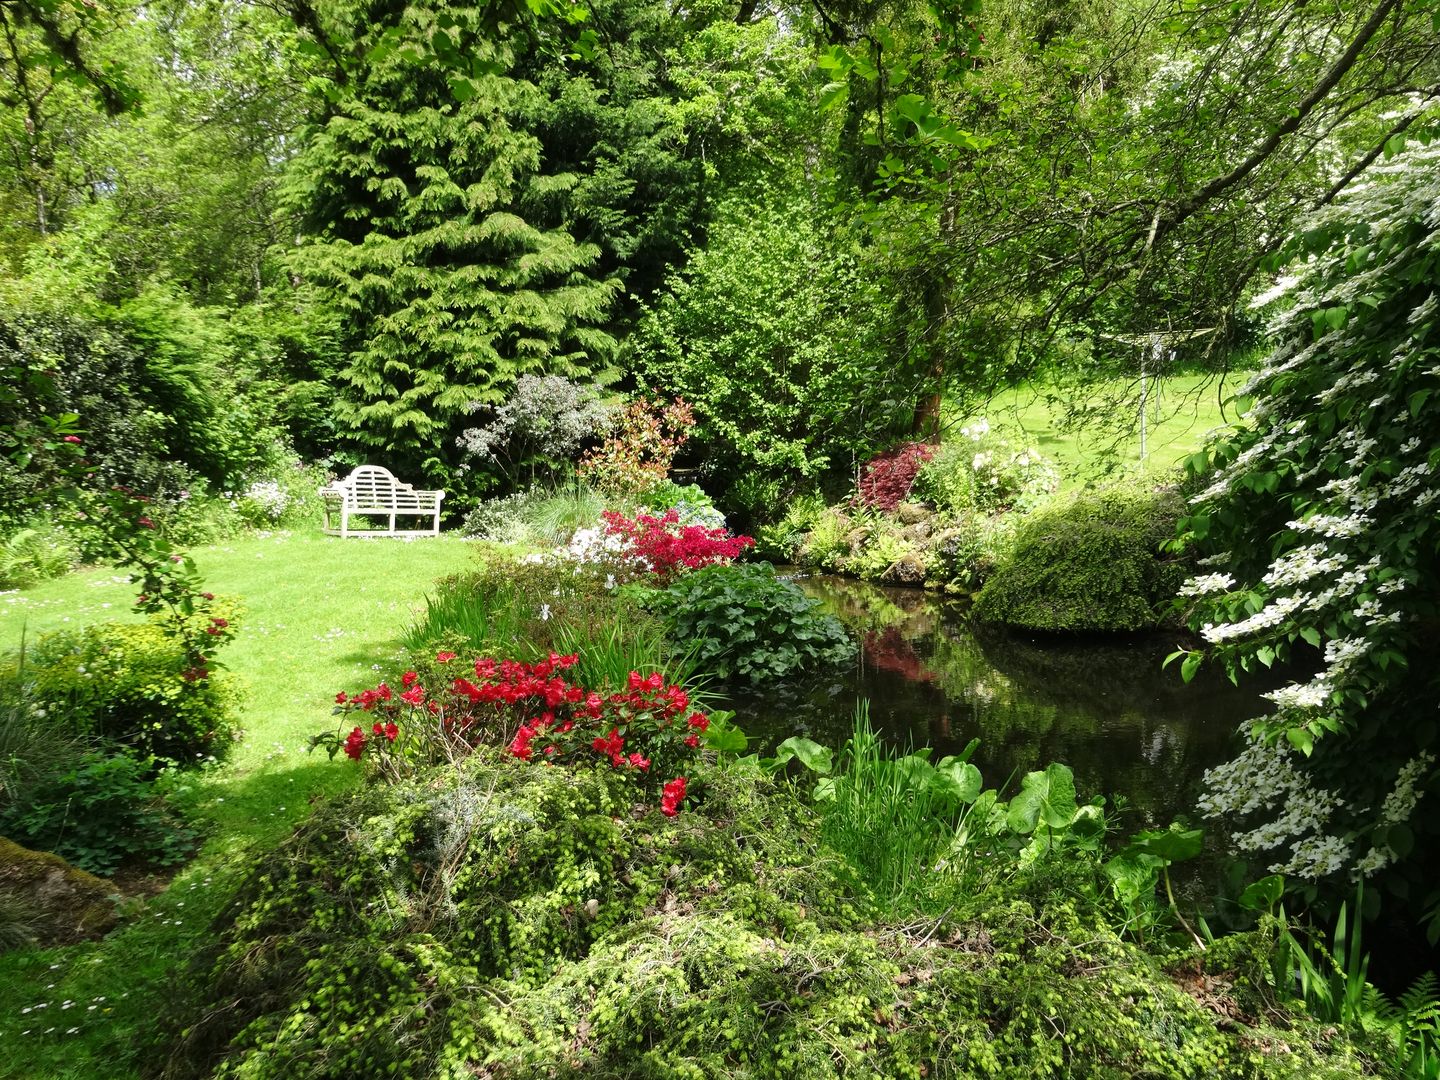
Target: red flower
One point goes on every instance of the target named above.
(355, 744)
(382, 692)
(144, 522)
(409, 679)
(414, 696)
(692, 741)
(611, 746)
(208, 595)
(672, 796)
(699, 721)
(220, 622)
(392, 731)
(444, 657)
(639, 761)
(72, 438)
(340, 698)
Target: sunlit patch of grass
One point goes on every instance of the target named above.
(1088, 431)
(321, 614)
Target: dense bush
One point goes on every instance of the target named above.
(127, 683)
(1088, 562)
(519, 922)
(541, 427)
(888, 477)
(103, 812)
(745, 623)
(31, 555)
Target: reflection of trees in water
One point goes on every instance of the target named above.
(1103, 707)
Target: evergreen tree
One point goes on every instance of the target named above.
(411, 196)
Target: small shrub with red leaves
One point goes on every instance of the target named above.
(887, 479)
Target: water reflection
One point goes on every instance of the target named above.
(1103, 706)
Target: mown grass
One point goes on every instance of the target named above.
(320, 612)
(1091, 430)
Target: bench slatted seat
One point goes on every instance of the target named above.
(373, 491)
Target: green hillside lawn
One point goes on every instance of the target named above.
(1181, 410)
(319, 612)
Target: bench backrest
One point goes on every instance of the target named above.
(373, 485)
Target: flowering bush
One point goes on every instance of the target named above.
(981, 471)
(637, 457)
(648, 730)
(889, 476)
(668, 548)
(1318, 530)
(544, 423)
(263, 503)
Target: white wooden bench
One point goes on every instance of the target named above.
(371, 491)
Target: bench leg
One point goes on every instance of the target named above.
(435, 528)
(344, 521)
(392, 524)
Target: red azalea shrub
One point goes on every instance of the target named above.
(670, 548)
(888, 477)
(648, 730)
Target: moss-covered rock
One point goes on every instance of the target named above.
(57, 904)
(510, 921)
(1089, 562)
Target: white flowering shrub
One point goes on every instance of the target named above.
(1319, 523)
(981, 470)
(544, 423)
(264, 502)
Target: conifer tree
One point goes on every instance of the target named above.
(410, 194)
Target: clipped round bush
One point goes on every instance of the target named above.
(1088, 562)
(126, 683)
(746, 623)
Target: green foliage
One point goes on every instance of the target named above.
(981, 471)
(771, 333)
(1087, 562)
(539, 516)
(888, 554)
(781, 540)
(104, 812)
(533, 922)
(127, 683)
(31, 555)
(827, 544)
(743, 622)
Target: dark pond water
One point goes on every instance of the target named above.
(1101, 705)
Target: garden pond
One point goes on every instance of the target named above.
(1101, 704)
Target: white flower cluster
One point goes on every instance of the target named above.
(1205, 584)
(268, 498)
(1309, 695)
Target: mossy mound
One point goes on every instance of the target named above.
(47, 901)
(1089, 562)
(510, 922)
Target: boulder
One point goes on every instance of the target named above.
(911, 513)
(856, 539)
(917, 533)
(60, 904)
(908, 569)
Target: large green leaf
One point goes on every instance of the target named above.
(1172, 845)
(1047, 796)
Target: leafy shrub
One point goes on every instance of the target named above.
(980, 471)
(32, 555)
(541, 426)
(888, 477)
(1088, 562)
(746, 623)
(888, 555)
(636, 458)
(967, 552)
(687, 500)
(102, 813)
(781, 540)
(128, 683)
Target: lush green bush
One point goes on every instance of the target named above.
(520, 922)
(744, 622)
(127, 683)
(781, 540)
(1087, 562)
(104, 812)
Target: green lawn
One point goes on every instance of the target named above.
(320, 612)
(1180, 411)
